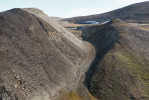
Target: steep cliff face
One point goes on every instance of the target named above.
(121, 67)
(38, 60)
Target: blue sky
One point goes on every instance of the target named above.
(68, 8)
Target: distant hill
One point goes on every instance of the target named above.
(137, 13)
(56, 18)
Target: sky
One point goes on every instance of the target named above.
(68, 8)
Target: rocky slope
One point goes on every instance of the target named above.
(134, 13)
(120, 70)
(39, 59)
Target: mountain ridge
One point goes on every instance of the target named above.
(41, 60)
(135, 13)
(120, 68)
(37, 60)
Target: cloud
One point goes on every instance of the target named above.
(126, 2)
(84, 12)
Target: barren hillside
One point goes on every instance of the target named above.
(39, 60)
(136, 13)
(120, 70)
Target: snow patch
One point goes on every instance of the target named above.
(91, 22)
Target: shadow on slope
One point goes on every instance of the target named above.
(103, 38)
(120, 70)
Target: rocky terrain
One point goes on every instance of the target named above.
(120, 70)
(136, 13)
(42, 60)
(39, 60)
